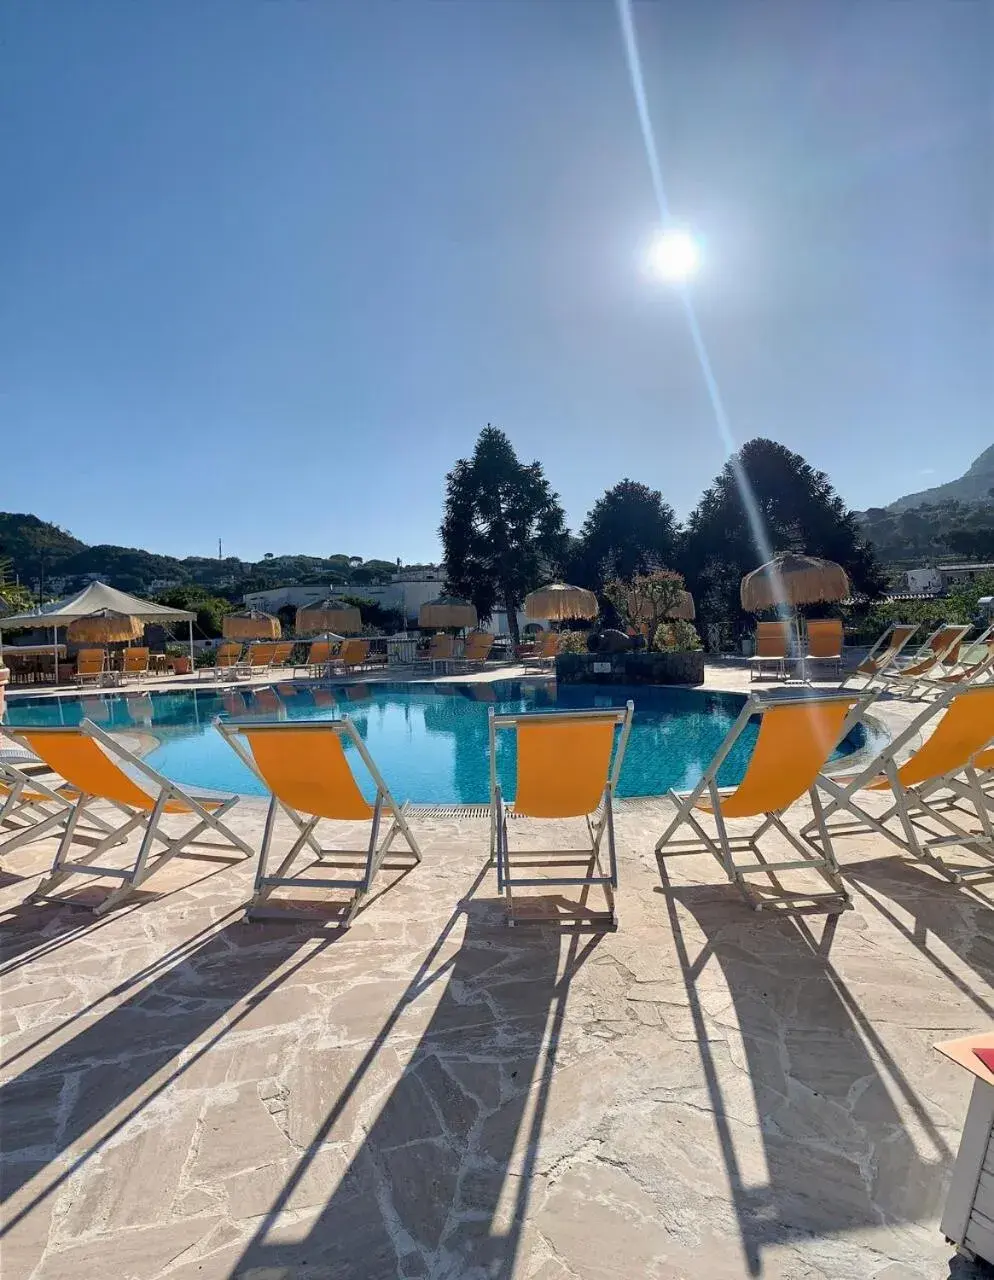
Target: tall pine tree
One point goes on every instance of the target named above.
(503, 531)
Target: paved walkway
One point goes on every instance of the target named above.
(705, 1093)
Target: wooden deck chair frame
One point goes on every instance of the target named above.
(229, 649)
(826, 626)
(940, 644)
(546, 649)
(500, 810)
(911, 805)
(251, 663)
(130, 670)
(884, 653)
(724, 846)
(259, 908)
(92, 673)
(164, 798)
(768, 632)
(345, 658)
(30, 810)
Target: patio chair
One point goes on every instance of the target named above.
(135, 664)
(31, 810)
(772, 648)
(477, 648)
(565, 770)
(90, 665)
(282, 653)
(546, 649)
(973, 666)
(319, 656)
(100, 769)
(306, 771)
(226, 659)
(825, 641)
(943, 771)
(941, 646)
(795, 740)
(353, 654)
(258, 658)
(885, 652)
(441, 649)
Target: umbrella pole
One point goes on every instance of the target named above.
(191, 644)
(55, 650)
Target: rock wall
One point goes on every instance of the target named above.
(631, 668)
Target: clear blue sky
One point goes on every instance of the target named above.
(267, 266)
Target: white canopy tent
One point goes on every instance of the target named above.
(92, 599)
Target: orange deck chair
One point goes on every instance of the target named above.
(565, 770)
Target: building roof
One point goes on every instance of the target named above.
(93, 598)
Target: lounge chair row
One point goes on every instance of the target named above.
(943, 659)
(568, 766)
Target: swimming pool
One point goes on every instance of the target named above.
(429, 740)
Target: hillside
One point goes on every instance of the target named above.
(48, 558)
(977, 485)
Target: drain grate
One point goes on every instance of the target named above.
(449, 810)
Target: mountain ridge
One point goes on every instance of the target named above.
(976, 484)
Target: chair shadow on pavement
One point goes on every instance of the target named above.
(440, 1184)
(831, 1153)
(117, 1064)
(925, 909)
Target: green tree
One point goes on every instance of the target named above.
(503, 530)
(800, 511)
(210, 610)
(629, 531)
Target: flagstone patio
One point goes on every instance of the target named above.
(706, 1092)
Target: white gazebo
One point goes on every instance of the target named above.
(92, 599)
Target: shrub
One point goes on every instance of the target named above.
(573, 641)
(646, 605)
(676, 636)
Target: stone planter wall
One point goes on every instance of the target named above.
(631, 668)
(4, 677)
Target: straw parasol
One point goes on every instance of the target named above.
(558, 601)
(329, 616)
(447, 611)
(684, 608)
(793, 579)
(106, 626)
(251, 625)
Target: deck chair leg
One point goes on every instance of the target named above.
(726, 849)
(140, 871)
(612, 859)
(400, 824)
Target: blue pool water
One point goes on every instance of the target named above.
(429, 740)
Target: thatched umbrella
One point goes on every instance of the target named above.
(251, 625)
(558, 601)
(793, 579)
(684, 608)
(446, 612)
(105, 627)
(329, 616)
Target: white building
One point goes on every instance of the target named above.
(276, 598)
(923, 582)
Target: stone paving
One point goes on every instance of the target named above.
(705, 1092)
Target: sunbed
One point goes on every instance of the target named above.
(91, 664)
(772, 649)
(942, 646)
(885, 652)
(307, 772)
(135, 664)
(795, 740)
(565, 770)
(946, 763)
(825, 641)
(31, 810)
(226, 659)
(101, 769)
